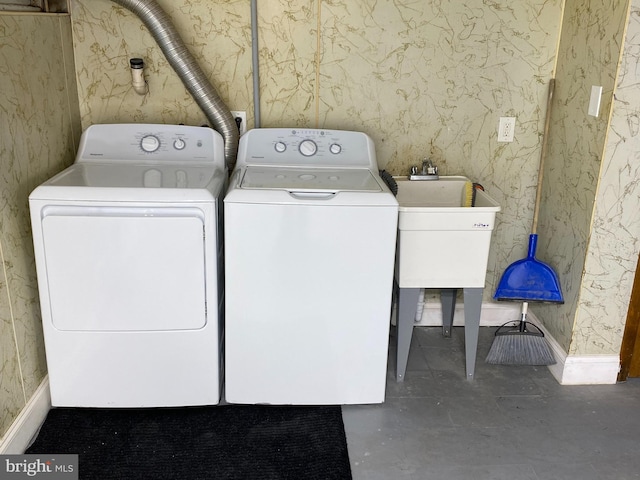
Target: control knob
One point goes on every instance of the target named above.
(308, 148)
(150, 143)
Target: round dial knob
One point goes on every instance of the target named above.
(150, 143)
(335, 148)
(308, 148)
(280, 147)
(179, 144)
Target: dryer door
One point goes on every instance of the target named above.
(125, 268)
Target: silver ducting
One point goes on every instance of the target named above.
(194, 79)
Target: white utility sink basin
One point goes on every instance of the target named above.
(445, 192)
(442, 243)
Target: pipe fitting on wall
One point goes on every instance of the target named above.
(188, 70)
(137, 76)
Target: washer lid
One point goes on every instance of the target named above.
(300, 179)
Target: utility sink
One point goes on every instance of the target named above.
(442, 243)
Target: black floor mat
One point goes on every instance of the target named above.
(223, 442)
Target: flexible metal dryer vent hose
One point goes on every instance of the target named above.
(194, 79)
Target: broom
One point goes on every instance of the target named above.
(523, 343)
(520, 344)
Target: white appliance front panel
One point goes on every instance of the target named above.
(134, 369)
(308, 292)
(125, 269)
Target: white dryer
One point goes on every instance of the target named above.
(310, 233)
(128, 249)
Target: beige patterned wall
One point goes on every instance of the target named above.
(106, 36)
(589, 217)
(614, 244)
(39, 131)
(422, 78)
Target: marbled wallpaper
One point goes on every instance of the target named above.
(39, 131)
(614, 243)
(589, 216)
(106, 36)
(422, 79)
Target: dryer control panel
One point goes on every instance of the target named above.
(153, 143)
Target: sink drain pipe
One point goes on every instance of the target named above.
(192, 76)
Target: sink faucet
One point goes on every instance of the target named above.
(429, 171)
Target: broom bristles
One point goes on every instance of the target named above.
(520, 348)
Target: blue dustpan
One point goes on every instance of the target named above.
(529, 280)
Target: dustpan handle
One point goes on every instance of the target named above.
(533, 243)
(543, 154)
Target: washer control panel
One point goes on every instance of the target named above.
(306, 147)
(151, 143)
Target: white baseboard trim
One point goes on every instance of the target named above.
(580, 369)
(28, 422)
(588, 370)
(569, 370)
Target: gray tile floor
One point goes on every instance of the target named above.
(510, 423)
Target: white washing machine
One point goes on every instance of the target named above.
(310, 234)
(128, 250)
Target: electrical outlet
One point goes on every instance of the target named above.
(506, 129)
(241, 119)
